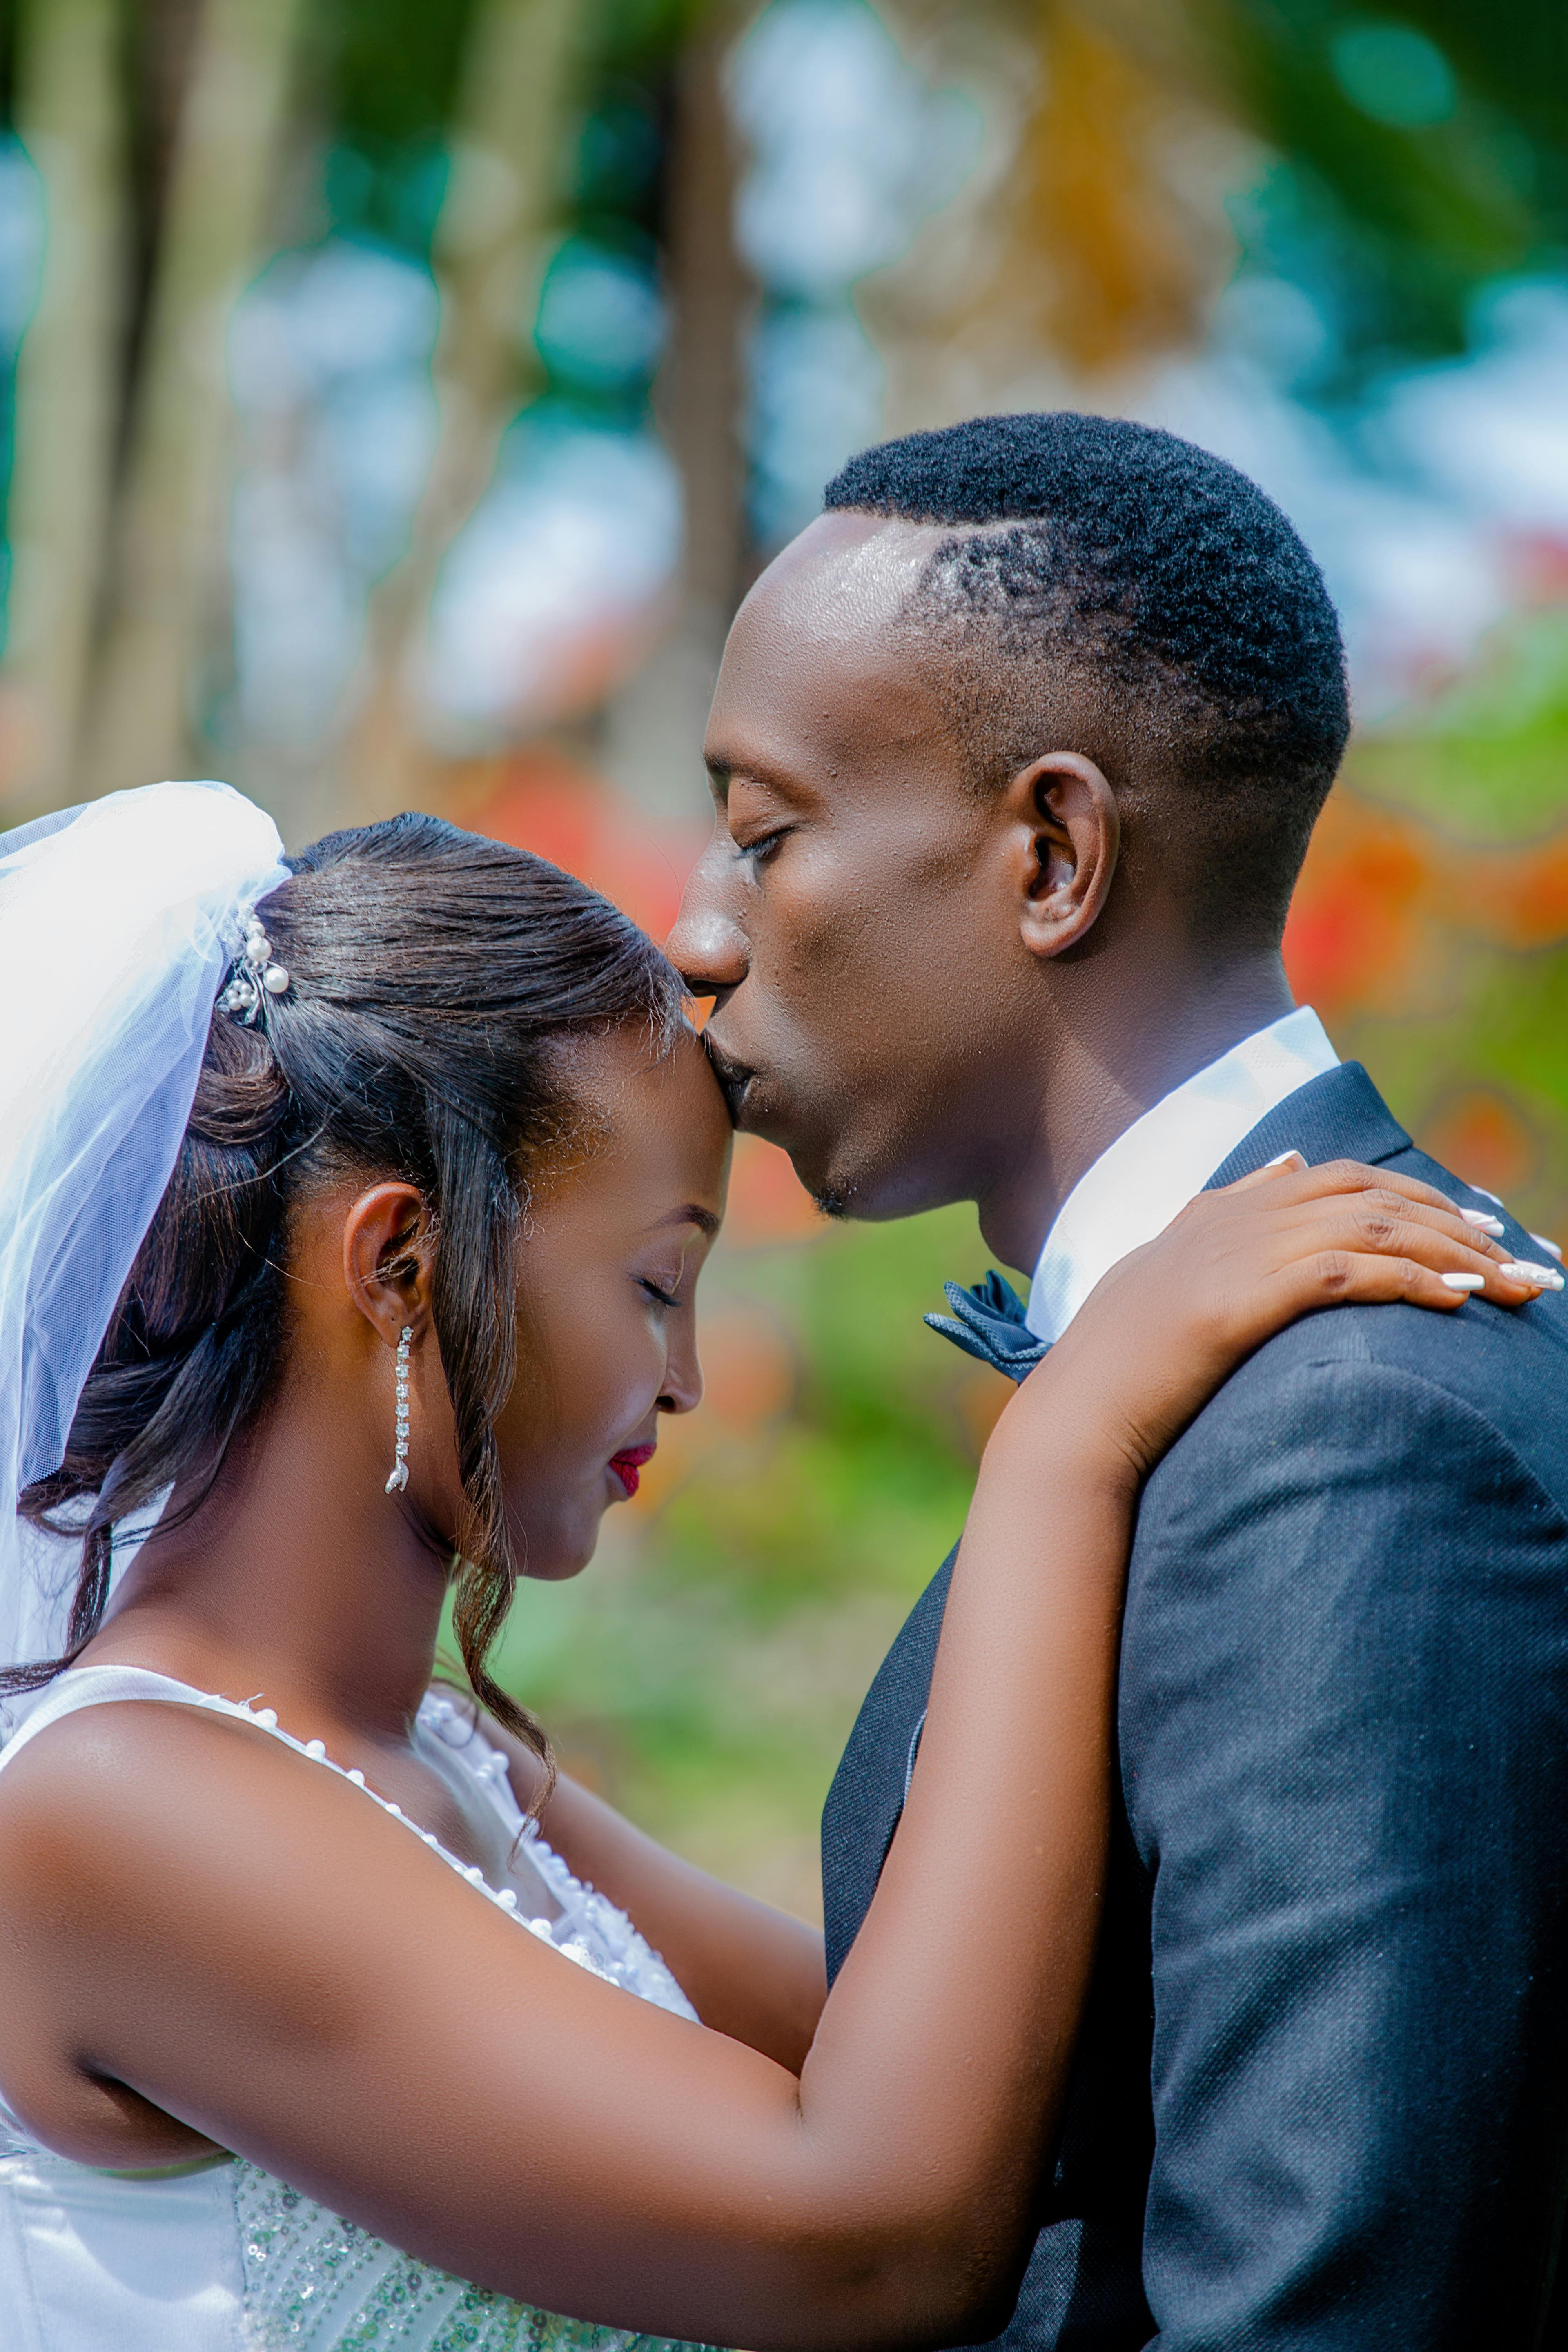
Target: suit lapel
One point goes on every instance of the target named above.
(1339, 1115)
(867, 1793)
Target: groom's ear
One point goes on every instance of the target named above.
(1065, 835)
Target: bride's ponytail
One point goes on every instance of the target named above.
(430, 979)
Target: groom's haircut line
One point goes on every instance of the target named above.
(1106, 578)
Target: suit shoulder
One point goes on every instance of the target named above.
(1392, 1379)
(1510, 1367)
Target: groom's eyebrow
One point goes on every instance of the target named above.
(757, 774)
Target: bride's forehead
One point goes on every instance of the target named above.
(656, 1124)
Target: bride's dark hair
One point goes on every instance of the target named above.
(435, 978)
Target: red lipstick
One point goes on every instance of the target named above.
(628, 1464)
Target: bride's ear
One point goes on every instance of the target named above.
(388, 1259)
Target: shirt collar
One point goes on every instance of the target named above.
(1157, 1165)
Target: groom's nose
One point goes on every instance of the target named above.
(707, 947)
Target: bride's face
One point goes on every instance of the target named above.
(606, 1342)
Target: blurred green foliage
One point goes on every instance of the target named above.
(1488, 758)
(1423, 150)
(384, 75)
(1463, 897)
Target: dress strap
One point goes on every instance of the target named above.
(79, 1686)
(83, 1686)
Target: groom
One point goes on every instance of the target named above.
(1016, 752)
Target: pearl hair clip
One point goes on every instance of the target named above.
(254, 971)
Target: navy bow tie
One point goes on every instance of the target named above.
(987, 1322)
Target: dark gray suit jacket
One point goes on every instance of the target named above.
(1321, 2094)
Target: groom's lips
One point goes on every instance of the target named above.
(733, 1077)
(629, 1464)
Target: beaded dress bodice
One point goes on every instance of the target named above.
(224, 2257)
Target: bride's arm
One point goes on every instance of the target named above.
(199, 1919)
(749, 1970)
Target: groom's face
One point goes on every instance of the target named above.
(853, 914)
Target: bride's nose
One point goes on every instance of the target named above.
(682, 1390)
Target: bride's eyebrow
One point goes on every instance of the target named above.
(692, 1213)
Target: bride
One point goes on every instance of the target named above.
(350, 1214)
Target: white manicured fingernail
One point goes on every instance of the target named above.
(1464, 1281)
(1291, 1159)
(1523, 1269)
(1483, 1219)
(1552, 1249)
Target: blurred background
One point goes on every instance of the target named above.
(397, 397)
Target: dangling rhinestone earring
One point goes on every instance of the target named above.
(399, 1478)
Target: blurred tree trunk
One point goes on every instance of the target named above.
(1101, 249)
(653, 727)
(167, 556)
(702, 388)
(1124, 276)
(68, 115)
(488, 249)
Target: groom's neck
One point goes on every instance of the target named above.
(1111, 1051)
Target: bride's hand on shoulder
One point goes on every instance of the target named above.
(1170, 1323)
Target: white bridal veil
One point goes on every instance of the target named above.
(117, 921)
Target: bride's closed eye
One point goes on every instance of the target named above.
(664, 1297)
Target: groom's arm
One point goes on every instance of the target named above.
(1344, 1725)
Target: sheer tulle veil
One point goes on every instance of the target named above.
(118, 920)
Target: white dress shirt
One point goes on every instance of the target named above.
(1158, 1164)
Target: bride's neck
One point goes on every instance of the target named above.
(297, 1578)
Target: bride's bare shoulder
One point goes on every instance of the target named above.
(173, 1880)
(208, 1942)
(139, 1816)
(134, 1779)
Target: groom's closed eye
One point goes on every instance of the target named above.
(762, 846)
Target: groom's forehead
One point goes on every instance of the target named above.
(820, 653)
(846, 576)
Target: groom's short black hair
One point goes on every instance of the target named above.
(1197, 628)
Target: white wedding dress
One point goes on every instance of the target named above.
(223, 2257)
